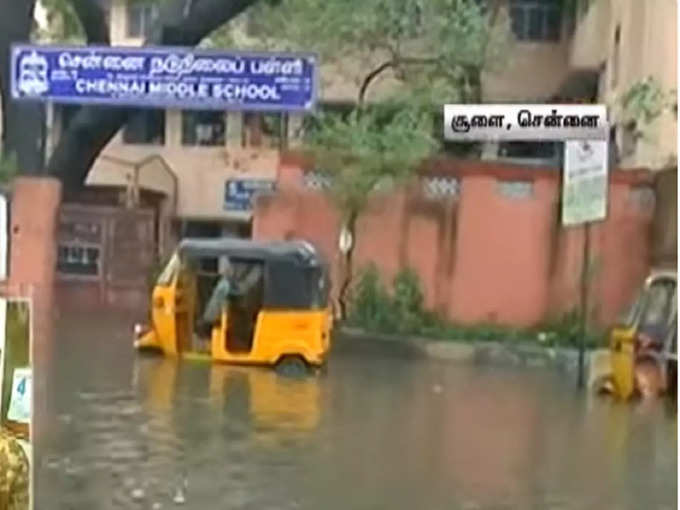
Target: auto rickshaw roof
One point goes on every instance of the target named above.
(300, 252)
(656, 273)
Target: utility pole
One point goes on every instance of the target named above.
(585, 288)
(584, 200)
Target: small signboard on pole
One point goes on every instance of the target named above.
(345, 240)
(584, 190)
(584, 200)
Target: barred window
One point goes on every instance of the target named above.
(316, 180)
(205, 128)
(517, 190)
(440, 187)
(536, 20)
(269, 130)
(78, 259)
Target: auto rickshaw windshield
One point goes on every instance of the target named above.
(170, 271)
(630, 314)
(652, 305)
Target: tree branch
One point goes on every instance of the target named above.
(93, 126)
(22, 123)
(370, 77)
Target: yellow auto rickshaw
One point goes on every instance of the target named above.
(643, 347)
(278, 314)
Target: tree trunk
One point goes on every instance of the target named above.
(181, 23)
(23, 124)
(343, 296)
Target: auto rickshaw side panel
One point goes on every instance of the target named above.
(278, 333)
(291, 332)
(622, 345)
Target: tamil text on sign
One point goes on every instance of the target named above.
(584, 191)
(533, 122)
(164, 77)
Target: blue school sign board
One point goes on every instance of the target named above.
(239, 193)
(164, 77)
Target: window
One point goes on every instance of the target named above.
(206, 128)
(140, 18)
(657, 308)
(78, 259)
(145, 127)
(536, 20)
(268, 130)
(529, 150)
(517, 190)
(441, 187)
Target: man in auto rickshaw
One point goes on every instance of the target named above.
(221, 294)
(268, 307)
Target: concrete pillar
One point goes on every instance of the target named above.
(173, 128)
(295, 130)
(234, 129)
(33, 251)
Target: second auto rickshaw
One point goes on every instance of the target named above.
(643, 346)
(277, 314)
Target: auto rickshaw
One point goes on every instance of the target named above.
(279, 314)
(643, 346)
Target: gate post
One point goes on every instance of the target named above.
(34, 210)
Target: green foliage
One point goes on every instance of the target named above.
(435, 49)
(368, 149)
(9, 167)
(370, 306)
(433, 43)
(566, 330)
(644, 102)
(407, 301)
(401, 311)
(63, 23)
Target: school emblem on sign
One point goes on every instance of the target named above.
(32, 79)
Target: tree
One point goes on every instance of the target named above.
(181, 23)
(24, 135)
(432, 51)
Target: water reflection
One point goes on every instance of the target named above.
(279, 408)
(376, 432)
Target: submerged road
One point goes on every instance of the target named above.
(375, 432)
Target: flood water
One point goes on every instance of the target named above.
(375, 432)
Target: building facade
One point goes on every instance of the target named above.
(623, 42)
(190, 156)
(592, 52)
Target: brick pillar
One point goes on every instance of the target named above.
(33, 221)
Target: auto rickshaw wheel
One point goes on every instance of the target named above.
(292, 366)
